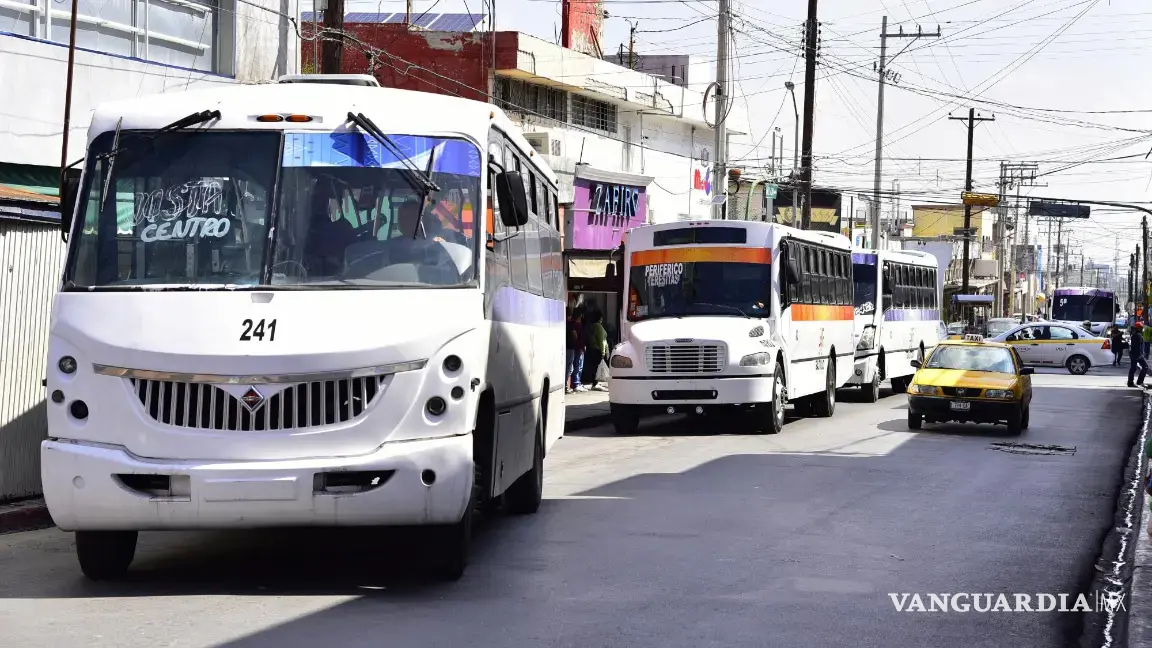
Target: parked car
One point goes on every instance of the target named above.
(1058, 345)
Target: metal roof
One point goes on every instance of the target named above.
(432, 21)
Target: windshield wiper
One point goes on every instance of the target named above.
(184, 122)
(723, 306)
(424, 197)
(420, 179)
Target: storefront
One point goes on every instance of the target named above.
(605, 205)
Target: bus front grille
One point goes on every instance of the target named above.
(684, 358)
(208, 407)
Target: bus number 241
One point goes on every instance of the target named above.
(256, 330)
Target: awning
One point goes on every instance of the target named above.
(973, 284)
(585, 268)
(973, 299)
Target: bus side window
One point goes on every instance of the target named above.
(807, 281)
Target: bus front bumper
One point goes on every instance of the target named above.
(866, 365)
(704, 391)
(91, 487)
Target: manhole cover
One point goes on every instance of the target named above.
(1033, 448)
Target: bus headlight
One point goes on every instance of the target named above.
(867, 339)
(756, 360)
(620, 362)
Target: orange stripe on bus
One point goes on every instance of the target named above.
(821, 313)
(702, 254)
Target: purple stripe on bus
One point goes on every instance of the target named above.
(911, 315)
(519, 307)
(862, 257)
(1083, 291)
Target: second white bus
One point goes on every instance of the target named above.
(732, 315)
(897, 304)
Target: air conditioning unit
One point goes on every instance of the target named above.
(544, 143)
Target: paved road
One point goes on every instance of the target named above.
(674, 537)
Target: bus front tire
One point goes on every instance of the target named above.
(773, 423)
(451, 545)
(625, 418)
(105, 555)
(523, 497)
(872, 389)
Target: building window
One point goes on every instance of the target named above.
(590, 113)
(530, 99)
(184, 33)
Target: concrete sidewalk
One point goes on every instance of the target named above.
(583, 410)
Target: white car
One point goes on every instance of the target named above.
(1046, 344)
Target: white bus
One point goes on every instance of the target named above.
(733, 315)
(897, 304)
(286, 309)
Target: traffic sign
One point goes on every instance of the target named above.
(1058, 210)
(770, 190)
(960, 231)
(979, 199)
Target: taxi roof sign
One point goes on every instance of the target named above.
(980, 199)
(973, 337)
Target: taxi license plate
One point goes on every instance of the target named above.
(961, 406)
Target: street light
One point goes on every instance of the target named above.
(795, 149)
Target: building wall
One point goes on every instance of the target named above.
(260, 46)
(32, 256)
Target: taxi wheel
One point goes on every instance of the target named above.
(1078, 365)
(1015, 422)
(1024, 418)
(915, 421)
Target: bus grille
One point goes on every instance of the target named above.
(306, 405)
(684, 358)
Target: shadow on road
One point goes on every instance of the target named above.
(711, 554)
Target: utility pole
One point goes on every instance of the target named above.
(1144, 265)
(883, 70)
(721, 179)
(68, 101)
(332, 50)
(972, 120)
(795, 153)
(811, 34)
(631, 44)
(1059, 251)
(1082, 269)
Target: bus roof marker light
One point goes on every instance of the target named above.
(269, 118)
(298, 119)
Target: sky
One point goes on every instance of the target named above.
(1057, 75)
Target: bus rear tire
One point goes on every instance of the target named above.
(899, 384)
(524, 495)
(105, 555)
(824, 405)
(625, 418)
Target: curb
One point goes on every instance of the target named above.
(25, 515)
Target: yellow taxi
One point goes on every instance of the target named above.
(971, 381)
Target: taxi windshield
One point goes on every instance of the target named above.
(971, 358)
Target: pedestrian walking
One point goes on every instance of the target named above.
(1117, 337)
(1136, 355)
(597, 350)
(576, 344)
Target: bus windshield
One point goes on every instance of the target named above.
(1083, 308)
(265, 208)
(700, 288)
(865, 277)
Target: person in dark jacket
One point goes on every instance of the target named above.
(1117, 337)
(576, 344)
(1136, 355)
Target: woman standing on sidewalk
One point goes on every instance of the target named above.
(597, 348)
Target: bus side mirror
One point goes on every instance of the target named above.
(513, 199)
(68, 203)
